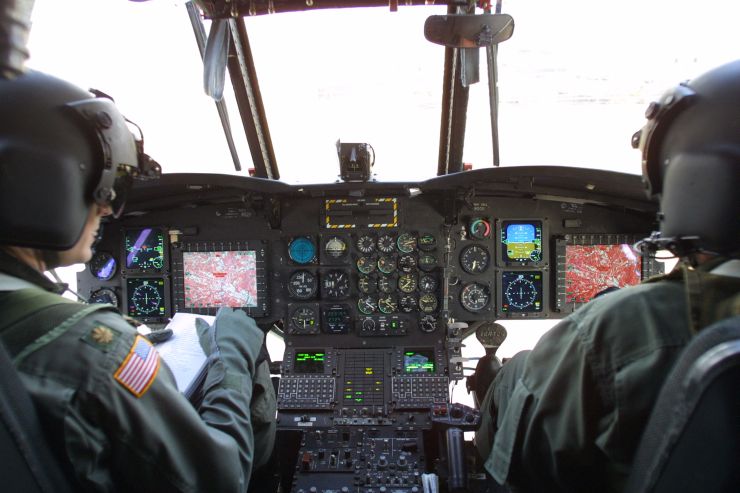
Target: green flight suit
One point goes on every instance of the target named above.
(111, 439)
(568, 415)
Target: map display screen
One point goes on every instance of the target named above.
(590, 269)
(216, 279)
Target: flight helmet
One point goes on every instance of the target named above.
(61, 149)
(691, 161)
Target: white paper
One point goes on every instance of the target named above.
(182, 351)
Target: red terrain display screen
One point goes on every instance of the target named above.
(592, 268)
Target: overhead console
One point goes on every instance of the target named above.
(372, 285)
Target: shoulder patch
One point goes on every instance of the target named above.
(101, 337)
(139, 368)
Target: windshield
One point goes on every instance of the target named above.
(573, 81)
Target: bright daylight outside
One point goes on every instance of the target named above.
(574, 81)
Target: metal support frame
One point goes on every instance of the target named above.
(249, 99)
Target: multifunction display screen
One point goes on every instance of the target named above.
(215, 279)
(144, 249)
(521, 241)
(590, 269)
(421, 361)
(309, 362)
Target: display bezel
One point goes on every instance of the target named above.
(145, 318)
(178, 273)
(544, 290)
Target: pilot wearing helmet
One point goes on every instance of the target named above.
(109, 404)
(568, 415)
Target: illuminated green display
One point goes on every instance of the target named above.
(309, 362)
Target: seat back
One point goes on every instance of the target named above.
(27, 465)
(692, 439)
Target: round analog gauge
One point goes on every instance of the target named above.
(367, 305)
(146, 299)
(521, 292)
(335, 247)
(387, 303)
(474, 259)
(427, 242)
(302, 250)
(366, 244)
(104, 296)
(407, 283)
(428, 303)
(335, 284)
(407, 263)
(366, 284)
(427, 284)
(479, 228)
(386, 284)
(304, 320)
(103, 266)
(386, 243)
(428, 323)
(302, 285)
(366, 265)
(406, 242)
(408, 303)
(386, 265)
(427, 262)
(475, 297)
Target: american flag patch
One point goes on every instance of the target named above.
(138, 370)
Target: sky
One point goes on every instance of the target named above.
(574, 81)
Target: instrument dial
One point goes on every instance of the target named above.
(387, 303)
(479, 228)
(428, 303)
(408, 303)
(367, 305)
(521, 293)
(335, 247)
(366, 265)
(386, 284)
(146, 299)
(302, 250)
(304, 320)
(427, 242)
(475, 259)
(366, 284)
(366, 244)
(386, 264)
(427, 262)
(475, 297)
(302, 285)
(103, 266)
(427, 284)
(335, 284)
(386, 244)
(104, 296)
(406, 242)
(428, 323)
(406, 263)
(407, 283)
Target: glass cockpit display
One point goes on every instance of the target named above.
(418, 361)
(309, 361)
(590, 269)
(146, 297)
(216, 279)
(144, 249)
(521, 291)
(521, 242)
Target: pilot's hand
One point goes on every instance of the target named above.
(234, 338)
